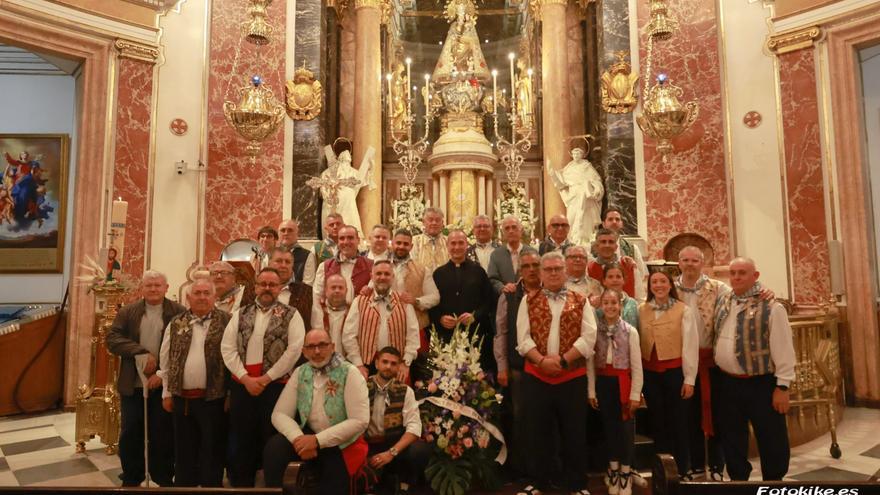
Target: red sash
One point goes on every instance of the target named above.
(658, 366)
(563, 377)
(706, 361)
(624, 382)
(256, 370)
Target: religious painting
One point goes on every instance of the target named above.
(32, 202)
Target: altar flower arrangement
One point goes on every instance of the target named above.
(407, 212)
(460, 225)
(457, 416)
(515, 203)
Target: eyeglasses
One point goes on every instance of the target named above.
(267, 285)
(318, 346)
(559, 225)
(553, 269)
(576, 257)
(221, 274)
(529, 266)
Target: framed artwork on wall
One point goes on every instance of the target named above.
(33, 192)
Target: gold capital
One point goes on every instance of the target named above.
(136, 51)
(794, 40)
(369, 4)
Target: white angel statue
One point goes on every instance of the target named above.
(581, 189)
(340, 183)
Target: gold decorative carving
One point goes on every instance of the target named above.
(618, 86)
(794, 40)
(384, 6)
(256, 116)
(305, 95)
(257, 29)
(136, 51)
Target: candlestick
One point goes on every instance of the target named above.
(494, 91)
(511, 57)
(427, 91)
(408, 84)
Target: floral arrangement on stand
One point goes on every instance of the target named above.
(460, 225)
(515, 203)
(407, 212)
(457, 413)
(94, 276)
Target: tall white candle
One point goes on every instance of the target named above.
(511, 57)
(427, 91)
(408, 85)
(118, 220)
(494, 91)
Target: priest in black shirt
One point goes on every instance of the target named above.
(465, 297)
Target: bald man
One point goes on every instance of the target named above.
(755, 352)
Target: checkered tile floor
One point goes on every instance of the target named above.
(40, 450)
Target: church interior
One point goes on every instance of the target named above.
(163, 134)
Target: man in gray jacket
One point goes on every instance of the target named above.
(136, 336)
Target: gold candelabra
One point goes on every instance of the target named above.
(520, 115)
(409, 152)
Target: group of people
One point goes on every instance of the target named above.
(314, 361)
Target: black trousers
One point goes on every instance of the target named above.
(250, 427)
(701, 446)
(410, 463)
(558, 409)
(516, 427)
(619, 434)
(670, 415)
(131, 439)
(199, 442)
(745, 400)
(332, 473)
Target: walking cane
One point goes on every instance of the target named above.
(140, 370)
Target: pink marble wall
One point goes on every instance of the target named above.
(689, 193)
(241, 195)
(804, 183)
(131, 176)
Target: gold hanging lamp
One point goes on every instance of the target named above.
(256, 116)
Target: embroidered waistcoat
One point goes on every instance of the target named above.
(275, 338)
(360, 274)
(412, 283)
(334, 395)
(540, 319)
(620, 346)
(752, 346)
(322, 252)
(664, 332)
(431, 256)
(626, 248)
(707, 296)
(393, 419)
(368, 327)
(181, 337)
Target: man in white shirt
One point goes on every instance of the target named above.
(353, 267)
(755, 352)
(331, 314)
(194, 388)
(295, 294)
(304, 260)
(481, 250)
(230, 297)
(395, 426)
(380, 237)
(576, 273)
(413, 283)
(260, 347)
(334, 411)
(379, 320)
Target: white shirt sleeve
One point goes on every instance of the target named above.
(524, 342)
(430, 293)
(690, 346)
(164, 356)
(591, 377)
(229, 348)
(357, 408)
(635, 366)
(586, 343)
(318, 286)
(411, 417)
(296, 335)
(350, 333)
(782, 346)
(318, 315)
(285, 410)
(411, 346)
(310, 269)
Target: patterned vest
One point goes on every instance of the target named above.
(334, 393)
(626, 247)
(181, 337)
(300, 255)
(620, 346)
(322, 252)
(752, 346)
(393, 420)
(707, 296)
(664, 332)
(360, 274)
(431, 256)
(540, 319)
(368, 327)
(301, 300)
(275, 338)
(412, 283)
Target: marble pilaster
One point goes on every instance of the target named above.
(555, 90)
(368, 104)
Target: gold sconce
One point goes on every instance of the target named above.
(256, 116)
(256, 29)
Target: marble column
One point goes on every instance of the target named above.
(481, 194)
(444, 179)
(554, 80)
(368, 104)
(435, 191)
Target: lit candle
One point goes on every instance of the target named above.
(494, 91)
(118, 220)
(427, 90)
(511, 57)
(408, 81)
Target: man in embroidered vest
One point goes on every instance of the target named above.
(194, 380)
(353, 267)
(380, 320)
(331, 315)
(395, 427)
(481, 250)
(557, 239)
(627, 251)
(606, 252)
(510, 363)
(413, 283)
(267, 238)
(755, 352)
(328, 247)
(295, 294)
(429, 248)
(260, 348)
(466, 298)
(136, 336)
(329, 396)
(230, 297)
(576, 273)
(504, 263)
(556, 332)
(304, 261)
(380, 237)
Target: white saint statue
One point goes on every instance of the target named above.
(340, 184)
(581, 189)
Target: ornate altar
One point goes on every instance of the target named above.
(97, 403)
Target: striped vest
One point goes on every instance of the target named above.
(393, 419)
(752, 346)
(368, 326)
